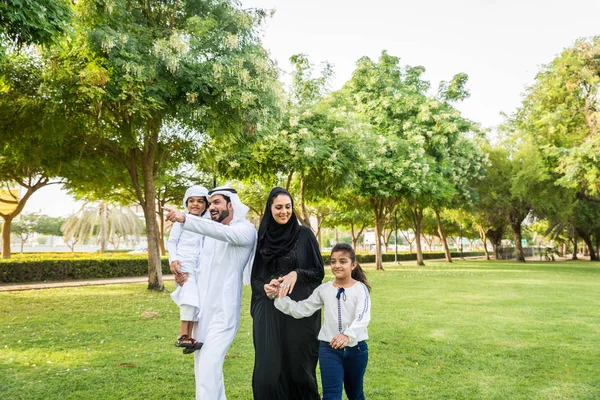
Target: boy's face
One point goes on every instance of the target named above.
(196, 205)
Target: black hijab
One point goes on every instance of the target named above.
(274, 239)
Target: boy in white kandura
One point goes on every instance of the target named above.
(343, 352)
(184, 257)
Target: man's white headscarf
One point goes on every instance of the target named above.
(195, 190)
(239, 214)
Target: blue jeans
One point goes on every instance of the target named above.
(345, 366)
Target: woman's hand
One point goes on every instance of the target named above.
(287, 283)
(339, 341)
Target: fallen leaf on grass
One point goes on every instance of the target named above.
(127, 365)
(149, 313)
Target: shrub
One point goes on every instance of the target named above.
(370, 258)
(32, 270)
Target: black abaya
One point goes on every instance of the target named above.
(286, 349)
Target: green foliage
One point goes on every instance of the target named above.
(44, 269)
(34, 21)
(560, 114)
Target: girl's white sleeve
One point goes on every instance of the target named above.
(300, 309)
(172, 242)
(362, 316)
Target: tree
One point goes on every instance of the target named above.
(159, 78)
(39, 138)
(108, 223)
(25, 227)
(412, 141)
(311, 149)
(560, 113)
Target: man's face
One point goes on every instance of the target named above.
(220, 210)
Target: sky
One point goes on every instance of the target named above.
(499, 44)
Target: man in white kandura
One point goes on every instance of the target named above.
(226, 262)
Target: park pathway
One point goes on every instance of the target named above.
(7, 287)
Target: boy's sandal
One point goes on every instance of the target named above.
(196, 346)
(185, 341)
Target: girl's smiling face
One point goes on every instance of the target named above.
(342, 265)
(281, 209)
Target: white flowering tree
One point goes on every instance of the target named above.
(311, 148)
(389, 97)
(159, 78)
(454, 157)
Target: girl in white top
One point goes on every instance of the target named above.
(184, 255)
(343, 353)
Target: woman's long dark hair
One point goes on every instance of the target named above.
(357, 273)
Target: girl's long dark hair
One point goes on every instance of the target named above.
(357, 273)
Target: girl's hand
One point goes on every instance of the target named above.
(287, 283)
(339, 341)
(271, 290)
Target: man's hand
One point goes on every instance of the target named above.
(173, 215)
(181, 278)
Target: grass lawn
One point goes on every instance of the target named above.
(466, 330)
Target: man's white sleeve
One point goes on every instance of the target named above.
(239, 233)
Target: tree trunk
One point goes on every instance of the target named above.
(588, 241)
(354, 239)
(442, 237)
(417, 214)
(519, 254)
(161, 231)
(103, 226)
(302, 212)
(378, 213)
(155, 281)
(483, 237)
(495, 238)
(574, 247)
(289, 180)
(6, 237)
(516, 221)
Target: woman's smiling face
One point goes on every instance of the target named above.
(282, 208)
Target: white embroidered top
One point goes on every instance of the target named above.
(347, 310)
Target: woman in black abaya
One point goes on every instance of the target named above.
(286, 349)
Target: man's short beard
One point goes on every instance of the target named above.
(220, 216)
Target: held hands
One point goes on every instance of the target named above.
(282, 286)
(339, 341)
(272, 288)
(287, 283)
(173, 215)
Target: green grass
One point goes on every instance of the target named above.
(468, 330)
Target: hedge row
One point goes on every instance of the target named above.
(64, 269)
(370, 258)
(35, 270)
